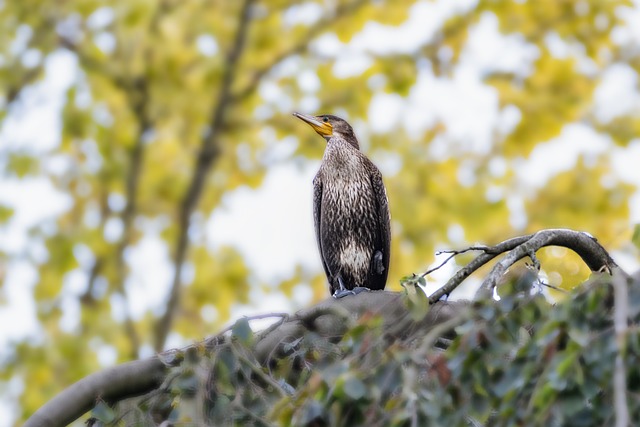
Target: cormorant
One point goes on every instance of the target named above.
(350, 211)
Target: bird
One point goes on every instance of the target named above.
(350, 211)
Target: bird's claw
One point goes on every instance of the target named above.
(341, 293)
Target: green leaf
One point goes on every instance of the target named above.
(171, 357)
(313, 413)
(103, 412)
(186, 382)
(354, 388)
(635, 239)
(6, 213)
(22, 164)
(242, 331)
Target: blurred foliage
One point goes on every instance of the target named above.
(148, 78)
(517, 361)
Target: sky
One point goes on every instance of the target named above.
(282, 236)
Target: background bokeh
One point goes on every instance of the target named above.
(155, 186)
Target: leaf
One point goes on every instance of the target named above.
(511, 381)
(313, 413)
(635, 239)
(242, 331)
(186, 383)
(6, 213)
(103, 412)
(354, 388)
(171, 357)
(22, 164)
(580, 337)
(409, 282)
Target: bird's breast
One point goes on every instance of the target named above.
(348, 198)
(355, 255)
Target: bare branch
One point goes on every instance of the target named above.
(478, 262)
(586, 246)
(591, 252)
(550, 286)
(454, 253)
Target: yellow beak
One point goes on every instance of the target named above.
(323, 129)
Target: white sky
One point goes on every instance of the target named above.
(281, 237)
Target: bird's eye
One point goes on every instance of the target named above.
(325, 119)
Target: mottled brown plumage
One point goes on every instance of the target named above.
(350, 210)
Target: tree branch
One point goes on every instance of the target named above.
(330, 319)
(299, 47)
(111, 384)
(326, 319)
(209, 152)
(586, 246)
(136, 90)
(138, 95)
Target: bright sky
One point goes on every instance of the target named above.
(281, 237)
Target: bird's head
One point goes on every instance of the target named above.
(328, 126)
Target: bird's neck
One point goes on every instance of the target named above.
(340, 158)
(338, 141)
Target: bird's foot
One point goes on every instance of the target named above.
(341, 293)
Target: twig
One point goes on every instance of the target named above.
(250, 318)
(254, 417)
(549, 285)
(272, 327)
(258, 371)
(454, 253)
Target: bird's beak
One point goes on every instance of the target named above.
(323, 129)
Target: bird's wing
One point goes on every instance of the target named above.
(317, 204)
(384, 221)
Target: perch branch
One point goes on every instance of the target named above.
(326, 319)
(329, 319)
